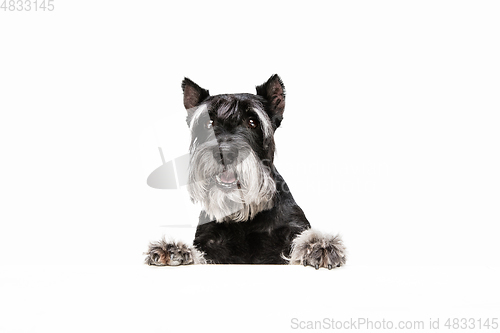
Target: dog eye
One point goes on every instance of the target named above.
(252, 123)
(209, 123)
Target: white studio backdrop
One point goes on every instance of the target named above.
(390, 134)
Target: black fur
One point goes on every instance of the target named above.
(263, 240)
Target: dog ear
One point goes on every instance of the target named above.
(193, 94)
(274, 92)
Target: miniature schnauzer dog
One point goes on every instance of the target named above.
(249, 215)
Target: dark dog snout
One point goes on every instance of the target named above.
(225, 154)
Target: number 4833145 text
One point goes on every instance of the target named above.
(27, 5)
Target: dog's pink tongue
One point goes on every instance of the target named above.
(228, 176)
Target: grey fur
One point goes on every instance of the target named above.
(316, 249)
(267, 127)
(253, 195)
(171, 253)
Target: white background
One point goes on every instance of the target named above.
(390, 137)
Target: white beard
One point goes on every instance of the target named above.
(254, 193)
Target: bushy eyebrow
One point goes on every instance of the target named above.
(265, 122)
(197, 114)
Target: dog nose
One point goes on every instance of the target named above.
(225, 154)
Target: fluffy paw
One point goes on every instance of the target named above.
(163, 253)
(312, 248)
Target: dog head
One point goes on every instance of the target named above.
(232, 149)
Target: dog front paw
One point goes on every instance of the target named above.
(312, 248)
(163, 253)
